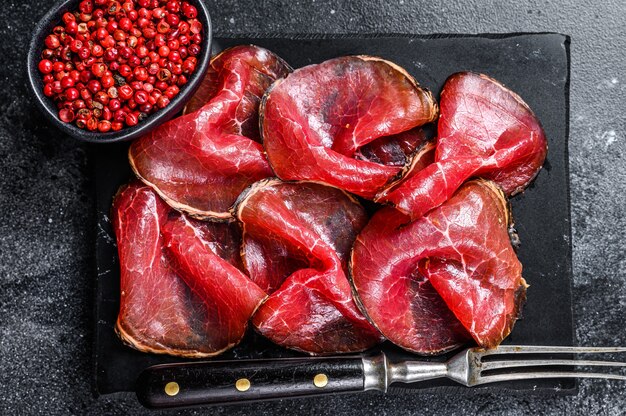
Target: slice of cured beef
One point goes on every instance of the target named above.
(485, 130)
(317, 123)
(426, 285)
(297, 239)
(220, 284)
(200, 162)
(159, 311)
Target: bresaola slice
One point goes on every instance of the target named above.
(156, 307)
(221, 285)
(159, 312)
(297, 237)
(315, 121)
(485, 130)
(201, 161)
(429, 283)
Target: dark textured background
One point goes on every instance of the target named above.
(47, 227)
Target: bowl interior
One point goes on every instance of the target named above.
(49, 109)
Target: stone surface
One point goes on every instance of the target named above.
(47, 228)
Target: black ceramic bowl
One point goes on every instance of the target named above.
(52, 19)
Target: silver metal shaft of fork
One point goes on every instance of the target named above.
(379, 373)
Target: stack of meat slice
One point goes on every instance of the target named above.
(431, 272)
(183, 157)
(184, 292)
(428, 283)
(457, 273)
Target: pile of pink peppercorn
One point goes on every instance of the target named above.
(110, 63)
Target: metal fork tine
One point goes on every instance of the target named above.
(496, 365)
(538, 349)
(552, 374)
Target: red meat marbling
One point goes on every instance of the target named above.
(485, 130)
(431, 284)
(201, 161)
(323, 122)
(297, 238)
(181, 290)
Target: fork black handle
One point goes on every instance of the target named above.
(225, 382)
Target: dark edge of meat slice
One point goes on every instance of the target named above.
(516, 242)
(520, 101)
(396, 67)
(248, 192)
(262, 105)
(213, 216)
(355, 295)
(261, 121)
(520, 292)
(412, 80)
(238, 206)
(520, 301)
(130, 342)
(407, 169)
(266, 182)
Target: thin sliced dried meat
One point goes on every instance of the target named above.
(159, 313)
(427, 284)
(200, 162)
(315, 122)
(485, 130)
(297, 237)
(221, 285)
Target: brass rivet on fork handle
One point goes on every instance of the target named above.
(172, 388)
(243, 384)
(320, 380)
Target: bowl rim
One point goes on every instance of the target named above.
(48, 108)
